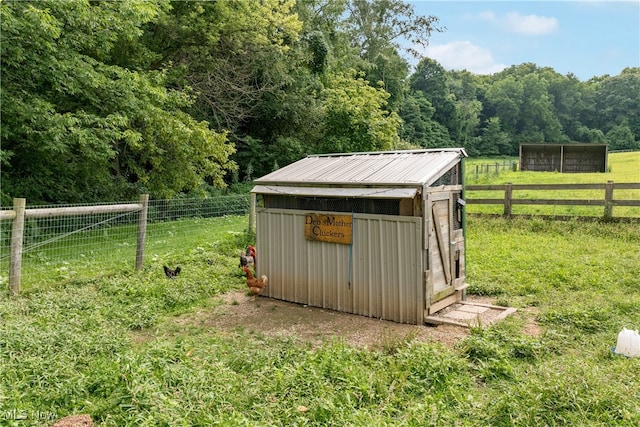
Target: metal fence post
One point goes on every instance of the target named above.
(17, 236)
(142, 230)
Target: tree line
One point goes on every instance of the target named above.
(105, 100)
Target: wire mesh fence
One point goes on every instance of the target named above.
(83, 246)
(475, 170)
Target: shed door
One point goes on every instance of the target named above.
(440, 248)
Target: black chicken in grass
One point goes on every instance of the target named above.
(171, 274)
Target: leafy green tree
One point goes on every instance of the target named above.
(618, 98)
(464, 87)
(571, 105)
(504, 100)
(376, 25)
(520, 98)
(319, 49)
(620, 137)
(390, 70)
(419, 127)
(414, 112)
(492, 140)
(231, 53)
(431, 79)
(286, 122)
(377, 30)
(324, 21)
(536, 114)
(354, 117)
(78, 127)
(251, 68)
(585, 134)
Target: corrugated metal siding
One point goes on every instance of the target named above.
(386, 270)
(383, 168)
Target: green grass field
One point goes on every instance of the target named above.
(71, 348)
(623, 168)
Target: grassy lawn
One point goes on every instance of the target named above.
(72, 347)
(624, 167)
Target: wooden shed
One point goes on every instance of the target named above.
(379, 234)
(564, 158)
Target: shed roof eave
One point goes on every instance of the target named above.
(341, 192)
(346, 184)
(462, 151)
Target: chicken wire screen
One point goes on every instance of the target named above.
(450, 177)
(334, 204)
(64, 247)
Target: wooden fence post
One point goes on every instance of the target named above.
(252, 212)
(608, 200)
(17, 236)
(142, 230)
(508, 192)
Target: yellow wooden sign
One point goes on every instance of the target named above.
(328, 228)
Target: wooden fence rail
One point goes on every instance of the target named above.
(508, 201)
(19, 213)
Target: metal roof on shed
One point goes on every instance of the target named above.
(371, 193)
(383, 168)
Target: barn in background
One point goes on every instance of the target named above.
(571, 158)
(378, 234)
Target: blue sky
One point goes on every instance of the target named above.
(585, 38)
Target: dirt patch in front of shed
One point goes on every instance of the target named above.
(281, 319)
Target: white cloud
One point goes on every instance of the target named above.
(464, 55)
(486, 16)
(533, 25)
(513, 22)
